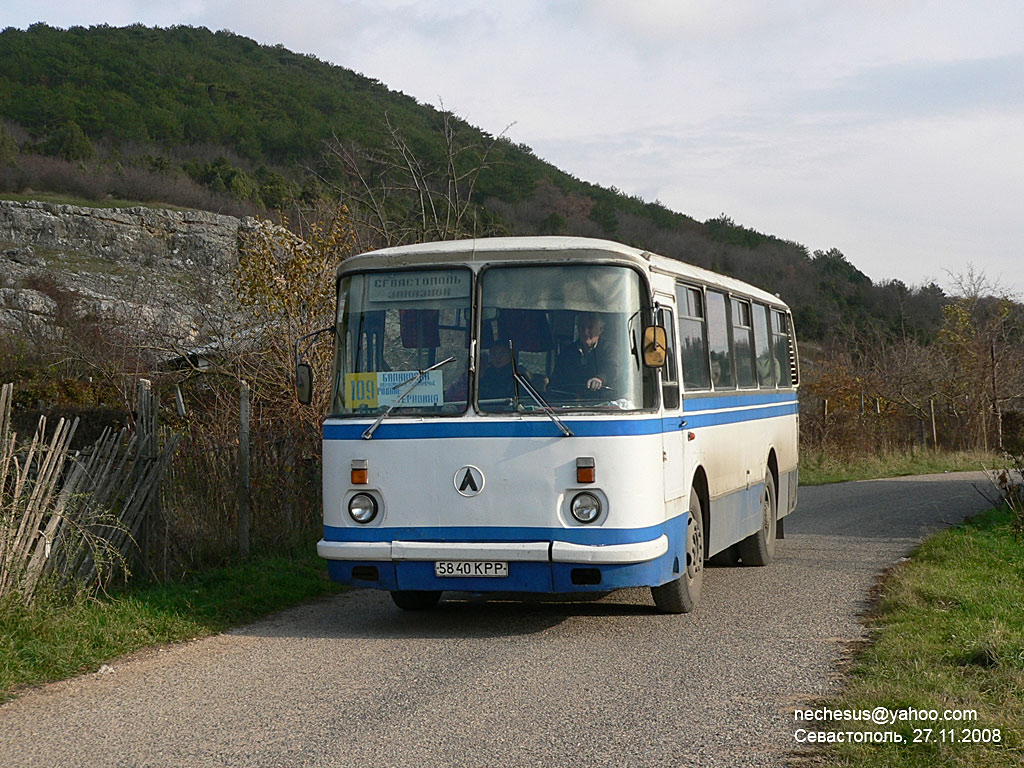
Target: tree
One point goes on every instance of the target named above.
(69, 142)
(8, 147)
(285, 282)
(983, 332)
(404, 197)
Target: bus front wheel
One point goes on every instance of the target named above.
(683, 594)
(412, 600)
(759, 548)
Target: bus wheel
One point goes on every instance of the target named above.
(759, 548)
(411, 600)
(683, 594)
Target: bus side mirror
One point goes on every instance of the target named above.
(655, 346)
(304, 383)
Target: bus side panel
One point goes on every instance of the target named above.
(734, 517)
(734, 456)
(788, 482)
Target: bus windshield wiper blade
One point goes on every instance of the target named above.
(409, 387)
(522, 381)
(539, 399)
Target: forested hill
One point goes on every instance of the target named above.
(217, 121)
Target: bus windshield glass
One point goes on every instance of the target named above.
(572, 331)
(394, 325)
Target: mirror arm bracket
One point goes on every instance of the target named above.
(311, 337)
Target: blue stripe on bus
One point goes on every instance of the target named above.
(482, 428)
(735, 401)
(693, 421)
(498, 534)
(546, 428)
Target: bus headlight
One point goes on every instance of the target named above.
(362, 508)
(585, 507)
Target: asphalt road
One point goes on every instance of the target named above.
(353, 681)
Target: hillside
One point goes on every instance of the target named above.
(216, 121)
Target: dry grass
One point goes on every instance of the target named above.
(818, 468)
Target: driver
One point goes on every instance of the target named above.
(590, 362)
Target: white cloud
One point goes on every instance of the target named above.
(889, 130)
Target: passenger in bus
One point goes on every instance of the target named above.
(767, 369)
(589, 363)
(716, 371)
(496, 379)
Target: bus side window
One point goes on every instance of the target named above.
(718, 341)
(762, 349)
(781, 348)
(693, 341)
(669, 378)
(743, 343)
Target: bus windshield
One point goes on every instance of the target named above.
(571, 330)
(391, 327)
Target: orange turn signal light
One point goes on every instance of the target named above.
(360, 472)
(586, 471)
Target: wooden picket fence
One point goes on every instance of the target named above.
(76, 517)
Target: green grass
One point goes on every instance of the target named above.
(83, 202)
(60, 637)
(947, 632)
(817, 468)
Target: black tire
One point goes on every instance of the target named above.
(727, 558)
(410, 600)
(683, 594)
(759, 548)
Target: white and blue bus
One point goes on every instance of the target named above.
(552, 415)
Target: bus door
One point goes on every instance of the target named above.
(672, 433)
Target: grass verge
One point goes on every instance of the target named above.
(57, 637)
(83, 202)
(818, 468)
(947, 633)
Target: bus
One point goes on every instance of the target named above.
(552, 415)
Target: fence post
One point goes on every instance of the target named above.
(146, 424)
(243, 470)
(935, 435)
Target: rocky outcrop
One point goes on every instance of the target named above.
(143, 236)
(165, 271)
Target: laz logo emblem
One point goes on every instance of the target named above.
(469, 480)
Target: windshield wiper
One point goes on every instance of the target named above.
(409, 387)
(524, 382)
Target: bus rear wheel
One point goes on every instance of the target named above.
(759, 548)
(413, 600)
(683, 594)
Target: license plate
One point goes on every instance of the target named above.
(471, 568)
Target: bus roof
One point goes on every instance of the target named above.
(555, 249)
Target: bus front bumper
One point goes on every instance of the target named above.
(533, 566)
(519, 551)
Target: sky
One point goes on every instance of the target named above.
(892, 130)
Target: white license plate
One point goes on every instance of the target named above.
(472, 568)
